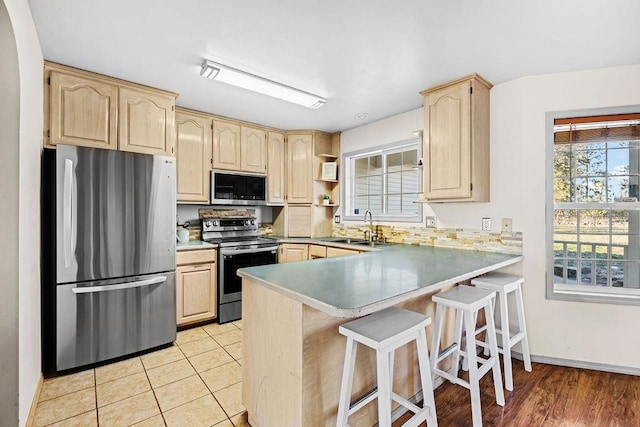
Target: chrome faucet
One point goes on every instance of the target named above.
(372, 234)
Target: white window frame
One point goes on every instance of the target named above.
(580, 293)
(348, 181)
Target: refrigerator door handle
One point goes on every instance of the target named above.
(119, 286)
(67, 210)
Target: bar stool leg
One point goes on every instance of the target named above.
(474, 380)
(425, 379)
(455, 358)
(384, 389)
(347, 383)
(523, 327)
(506, 338)
(436, 335)
(491, 333)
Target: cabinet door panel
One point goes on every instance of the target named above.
(293, 252)
(196, 299)
(335, 252)
(276, 168)
(82, 111)
(253, 146)
(300, 169)
(448, 143)
(226, 145)
(146, 122)
(193, 157)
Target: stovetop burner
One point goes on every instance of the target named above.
(228, 232)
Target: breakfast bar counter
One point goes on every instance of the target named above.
(292, 351)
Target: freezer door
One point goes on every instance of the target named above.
(115, 214)
(101, 320)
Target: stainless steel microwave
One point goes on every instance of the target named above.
(238, 188)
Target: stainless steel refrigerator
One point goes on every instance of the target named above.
(108, 255)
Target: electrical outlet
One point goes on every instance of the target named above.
(336, 219)
(506, 225)
(486, 224)
(430, 222)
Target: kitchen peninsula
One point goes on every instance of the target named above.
(292, 351)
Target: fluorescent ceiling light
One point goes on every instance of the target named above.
(232, 76)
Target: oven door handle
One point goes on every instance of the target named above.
(248, 251)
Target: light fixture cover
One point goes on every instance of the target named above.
(232, 76)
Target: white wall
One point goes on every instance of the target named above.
(30, 63)
(597, 333)
(10, 137)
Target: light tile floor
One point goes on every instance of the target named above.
(195, 382)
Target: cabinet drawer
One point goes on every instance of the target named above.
(317, 251)
(196, 257)
(333, 252)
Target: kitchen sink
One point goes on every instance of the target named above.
(350, 241)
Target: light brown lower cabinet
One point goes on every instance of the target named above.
(292, 252)
(196, 286)
(317, 251)
(332, 252)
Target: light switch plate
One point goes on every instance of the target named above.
(486, 224)
(507, 225)
(336, 219)
(430, 222)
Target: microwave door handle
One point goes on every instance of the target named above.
(119, 286)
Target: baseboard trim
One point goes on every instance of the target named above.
(580, 364)
(34, 402)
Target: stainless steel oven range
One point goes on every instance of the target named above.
(239, 245)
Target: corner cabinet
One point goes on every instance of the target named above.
(456, 141)
(91, 110)
(276, 171)
(300, 168)
(196, 286)
(193, 157)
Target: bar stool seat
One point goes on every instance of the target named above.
(385, 331)
(467, 301)
(503, 284)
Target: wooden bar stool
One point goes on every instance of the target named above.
(385, 331)
(503, 284)
(467, 301)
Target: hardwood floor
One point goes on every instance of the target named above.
(548, 396)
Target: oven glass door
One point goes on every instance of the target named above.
(230, 283)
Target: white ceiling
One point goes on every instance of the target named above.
(370, 56)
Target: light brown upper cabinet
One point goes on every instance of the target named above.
(456, 141)
(83, 111)
(300, 168)
(146, 121)
(226, 145)
(276, 149)
(88, 109)
(193, 157)
(253, 150)
(239, 148)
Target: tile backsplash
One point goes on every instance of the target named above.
(456, 238)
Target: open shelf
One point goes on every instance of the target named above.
(327, 180)
(327, 156)
(328, 206)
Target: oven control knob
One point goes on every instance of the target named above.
(215, 223)
(207, 223)
(246, 222)
(253, 222)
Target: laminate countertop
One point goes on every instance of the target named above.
(357, 285)
(193, 245)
